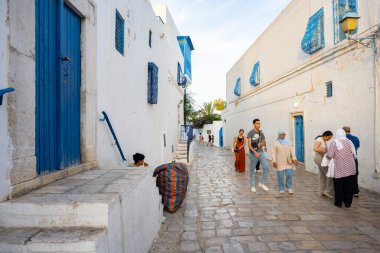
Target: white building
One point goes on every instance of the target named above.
(303, 75)
(216, 129)
(148, 127)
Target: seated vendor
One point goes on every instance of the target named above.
(138, 161)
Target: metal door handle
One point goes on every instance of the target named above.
(65, 58)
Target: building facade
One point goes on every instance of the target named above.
(304, 76)
(68, 62)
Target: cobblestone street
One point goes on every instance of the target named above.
(220, 214)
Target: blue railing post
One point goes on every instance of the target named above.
(3, 92)
(113, 134)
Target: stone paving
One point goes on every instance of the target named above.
(220, 214)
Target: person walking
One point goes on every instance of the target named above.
(284, 160)
(355, 140)
(343, 152)
(209, 140)
(326, 187)
(257, 146)
(212, 140)
(201, 139)
(239, 150)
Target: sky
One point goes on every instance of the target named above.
(221, 31)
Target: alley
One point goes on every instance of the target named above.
(220, 214)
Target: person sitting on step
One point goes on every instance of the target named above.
(138, 161)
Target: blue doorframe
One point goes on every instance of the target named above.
(299, 138)
(221, 137)
(58, 68)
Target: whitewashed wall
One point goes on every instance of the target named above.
(5, 157)
(122, 83)
(293, 82)
(214, 128)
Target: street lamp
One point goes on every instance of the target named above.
(349, 24)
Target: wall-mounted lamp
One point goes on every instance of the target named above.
(349, 24)
(3, 92)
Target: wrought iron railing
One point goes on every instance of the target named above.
(187, 134)
(113, 135)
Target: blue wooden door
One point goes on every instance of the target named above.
(299, 138)
(57, 86)
(69, 82)
(221, 137)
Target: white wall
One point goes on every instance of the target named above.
(293, 82)
(122, 84)
(4, 135)
(214, 128)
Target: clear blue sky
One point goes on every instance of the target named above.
(221, 31)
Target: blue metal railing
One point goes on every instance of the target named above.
(187, 134)
(3, 92)
(113, 134)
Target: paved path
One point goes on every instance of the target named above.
(221, 215)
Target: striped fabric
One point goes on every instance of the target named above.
(172, 181)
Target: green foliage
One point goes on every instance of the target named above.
(206, 114)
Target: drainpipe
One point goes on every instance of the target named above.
(377, 104)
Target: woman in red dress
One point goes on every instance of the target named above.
(239, 150)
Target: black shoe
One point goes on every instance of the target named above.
(338, 205)
(348, 205)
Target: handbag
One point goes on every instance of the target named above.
(236, 149)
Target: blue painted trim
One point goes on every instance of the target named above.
(314, 38)
(119, 32)
(3, 92)
(188, 40)
(152, 83)
(353, 5)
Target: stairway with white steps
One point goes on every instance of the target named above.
(181, 153)
(98, 211)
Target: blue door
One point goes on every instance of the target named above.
(299, 138)
(57, 86)
(221, 137)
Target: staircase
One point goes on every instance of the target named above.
(99, 211)
(181, 153)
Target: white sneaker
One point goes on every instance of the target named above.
(253, 189)
(282, 192)
(290, 191)
(263, 186)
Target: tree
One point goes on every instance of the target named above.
(208, 108)
(219, 104)
(189, 107)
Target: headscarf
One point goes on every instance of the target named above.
(341, 135)
(282, 141)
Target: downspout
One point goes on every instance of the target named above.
(377, 105)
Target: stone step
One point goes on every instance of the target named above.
(87, 199)
(56, 240)
(181, 156)
(181, 152)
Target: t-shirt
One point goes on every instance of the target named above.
(355, 141)
(256, 138)
(322, 141)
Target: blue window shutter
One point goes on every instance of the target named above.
(237, 90)
(152, 83)
(254, 80)
(340, 8)
(119, 33)
(314, 38)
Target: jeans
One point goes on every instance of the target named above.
(280, 177)
(252, 165)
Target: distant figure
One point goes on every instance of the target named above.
(355, 140)
(201, 139)
(138, 161)
(239, 150)
(209, 140)
(343, 152)
(284, 160)
(212, 140)
(326, 186)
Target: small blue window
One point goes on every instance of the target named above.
(152, 83)
(329, 89)
(254, 80)
(181, 79)
(237, 90)
(150, 38)
(119, 33)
